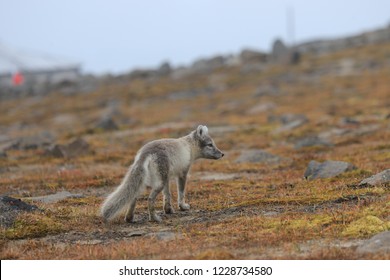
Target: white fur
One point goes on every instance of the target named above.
(145, 171)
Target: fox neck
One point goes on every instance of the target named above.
(194, 148)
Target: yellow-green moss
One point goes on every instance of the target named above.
(311, 223)
(32, 226)
(365, 227)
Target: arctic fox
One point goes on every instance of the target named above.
(154, 165)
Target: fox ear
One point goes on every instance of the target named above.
(202, 130)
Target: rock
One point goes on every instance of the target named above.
(289, 126)
(185, 94)
(142, 74)
(327, 169)
(253, 68)
(107, 124)
(4, 169)
(165, 69)
(89, 242)
(10, 207)
(258, 156)
(334, 132)
(295, 57)
(289, 121)
(52, 198)
(282, 54)
(261, 108)
(379, 243)
(189, 94)
(180, 73)
(165, 235)
(205, 66)
(267, 90)
(347, 67)
(251, 56)
(377, 179)
(76, 148)
(350, 132)
(41, 140)
(136, 233)
(287, 118)
(345, 121)
(3, 154)
(211, 176)
(365, 130)
(312, 141)
(217, 82)
(279, 51)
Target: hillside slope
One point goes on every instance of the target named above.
(271, 120)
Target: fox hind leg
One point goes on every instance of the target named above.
(151, 204)
(130, 212)
(168, 209)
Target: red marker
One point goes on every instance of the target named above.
(17, 79)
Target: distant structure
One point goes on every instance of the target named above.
(33, 73)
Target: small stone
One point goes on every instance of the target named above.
(165, 235)
(38, 141)
(261, 108)
(312, 141)
(107, 124)
(289, 118)
(3, 154)
(279, 51)
(210, 176)
(379, 243)
(267, 90)
(258, 156)
(349, 121)
(252, 56)
(288, 121)
(377, 179)
(52, 198)
(76, 148)
(327, 169)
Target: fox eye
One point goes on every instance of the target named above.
(209, 145)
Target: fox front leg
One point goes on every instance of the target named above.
(181, 185)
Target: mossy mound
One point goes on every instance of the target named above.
(365, 227)
(31, 226)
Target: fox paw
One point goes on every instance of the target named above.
(169, 210)
(155, 218)
(184, 206)
(129, 219)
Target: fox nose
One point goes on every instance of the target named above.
(222, 154)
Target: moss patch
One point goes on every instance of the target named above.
(365, 227)
(30, 226)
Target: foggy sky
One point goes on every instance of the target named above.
(119, 35)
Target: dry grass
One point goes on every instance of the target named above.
(267, 211)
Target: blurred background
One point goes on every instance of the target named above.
(75, 68)
(102, 37)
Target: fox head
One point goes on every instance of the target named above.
(205, 144)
